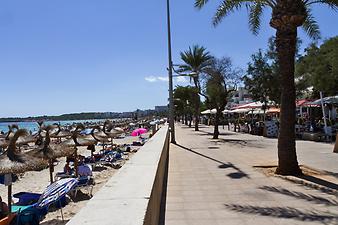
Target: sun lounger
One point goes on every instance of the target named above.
(24, 213)
(27, 198)
(19, 208)
(31, 216)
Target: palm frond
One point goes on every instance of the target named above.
(310, 25)
(333, 4)
(195, 59)
(200, 3)
(255, 14)
(225, 8)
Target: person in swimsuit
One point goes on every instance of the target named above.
(3, 209)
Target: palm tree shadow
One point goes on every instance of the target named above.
(285, 212)
(319, 181)
(202, 133)
(300, 195)
(236, 175)
(314, 183)
(241, 143)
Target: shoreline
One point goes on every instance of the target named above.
(36, 182)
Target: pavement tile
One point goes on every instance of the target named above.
(175, 215)
(221, 187)
(174, 206)
(176, 222)
(198, 214)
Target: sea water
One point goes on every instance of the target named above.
(33, 126)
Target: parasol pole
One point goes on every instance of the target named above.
(63, 220)
(51, 170)
(323, 109)
(8, 183)
(76, 162)
(10, 198)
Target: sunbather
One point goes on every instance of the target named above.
(67, 169)
(84, 170)
(3, 209)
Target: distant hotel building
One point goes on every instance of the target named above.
(240, 97)
(161, 109)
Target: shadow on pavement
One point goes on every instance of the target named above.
(314, 186)
(237, 175)
(211, 133)
(300, 195)
(241, 143)
(192, 126)
(319, 181)
(286, 212)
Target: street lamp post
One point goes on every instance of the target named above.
(170, 74)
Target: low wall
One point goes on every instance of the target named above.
(133, 195)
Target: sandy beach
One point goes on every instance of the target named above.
(37, 182)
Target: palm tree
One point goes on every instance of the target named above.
(196, 59)
(287, 16)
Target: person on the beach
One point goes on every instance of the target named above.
(3, 209)
(84, 170)
(67, 168)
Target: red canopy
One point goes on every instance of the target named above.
(302, 102)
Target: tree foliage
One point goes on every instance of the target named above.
(317, 70)
(261, 80)
(185, 100)
(221, 80)
(256, 9)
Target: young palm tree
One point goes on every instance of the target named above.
(287, 16)
(196, 59)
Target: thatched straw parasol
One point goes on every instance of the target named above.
(78, 140)
(61, 133)
(5, 138)
(49, 152)
(12, 161)
(3, 143)
(99, 134)
(110, 131)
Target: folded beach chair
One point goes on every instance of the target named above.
(84, 182)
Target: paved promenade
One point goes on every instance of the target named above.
(214, 182)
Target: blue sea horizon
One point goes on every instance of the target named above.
(33, 126)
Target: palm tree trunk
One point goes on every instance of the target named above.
(197, 115)
(198, 103)
(286, 48)
(216, 131)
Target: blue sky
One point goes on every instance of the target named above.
(63, 56)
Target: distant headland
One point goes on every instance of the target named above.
(158, 111)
